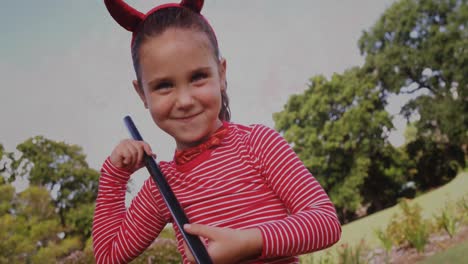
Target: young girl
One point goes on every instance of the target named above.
(244, 190)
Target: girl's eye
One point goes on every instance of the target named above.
(163, 85)
(199, 76)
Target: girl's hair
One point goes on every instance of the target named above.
(176, 17)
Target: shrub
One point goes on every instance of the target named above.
(161, 251)
(418, 236)
(436, 163)
(462, 210)
(326, 258)
(85, 256)
(352, 255)
(386, 240)
(410, 227)
(56, 250)
(395, 232)
(416, 230)
(447, 220)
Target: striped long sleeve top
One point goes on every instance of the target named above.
(252, 180)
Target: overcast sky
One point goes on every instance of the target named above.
(66, 71)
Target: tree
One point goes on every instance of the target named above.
(339, 129)
(420, 47)
(53, 216)
(30, 228)
(61, 169)
(435, 163)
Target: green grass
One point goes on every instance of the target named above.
(453, 255)
(430, 202)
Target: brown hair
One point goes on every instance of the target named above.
(176, 17)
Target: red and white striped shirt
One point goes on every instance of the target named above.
(253, 179)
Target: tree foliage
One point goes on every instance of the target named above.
(421, 45)
(53, 216)
(435, 163)
(339, 129)
(29, 226)
(60, 168)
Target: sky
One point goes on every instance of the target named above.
(66, 68)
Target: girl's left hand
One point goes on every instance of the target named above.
(227, 245)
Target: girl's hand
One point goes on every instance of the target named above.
(226, 245)
(128, 154)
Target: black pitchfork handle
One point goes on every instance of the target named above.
(193, 242)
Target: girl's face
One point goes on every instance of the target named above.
(181, 84)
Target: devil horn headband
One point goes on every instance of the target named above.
(129, 18)
(195, 5)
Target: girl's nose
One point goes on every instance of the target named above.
(184, 98)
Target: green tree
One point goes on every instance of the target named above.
(435, 163)
(38, 228)
(34, 205)
(80, 220)
(7, 193)
(339, 129)
(420, 47)
(60, 168)
(30, 228)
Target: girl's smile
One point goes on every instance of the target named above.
(187, 118)
(181, 84)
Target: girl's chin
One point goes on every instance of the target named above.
(188, 142)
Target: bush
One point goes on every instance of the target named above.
(409, 228)
(447, 220)
(395, 232)
(79, 257)
(161, 251)
(436, 163)
(55, 251)
(386, 241)
(86, 256)
(418, 236)
(352, 255)
(462, 210)
(326, 258)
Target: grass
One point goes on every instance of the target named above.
(430, 203)
(453, 255)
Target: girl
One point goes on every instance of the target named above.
(246, 193)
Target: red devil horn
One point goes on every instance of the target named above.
(127, 16)
(195, 5)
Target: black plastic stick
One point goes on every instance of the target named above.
(193, 242)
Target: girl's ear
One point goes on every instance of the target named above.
(140, 92)
(222, 73)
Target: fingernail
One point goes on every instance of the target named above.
(186, 226)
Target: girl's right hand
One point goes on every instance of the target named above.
(128, 154)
